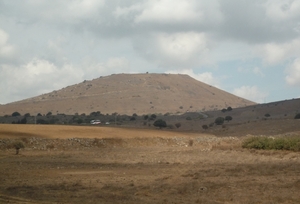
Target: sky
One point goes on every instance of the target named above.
(247, 48)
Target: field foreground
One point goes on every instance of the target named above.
(65, 164)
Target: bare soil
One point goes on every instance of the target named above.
(67, 164)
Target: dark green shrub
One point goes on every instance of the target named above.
(15, 114)
(267, 115)
(229, 109)
(160, 123)
(228, 118)
(224, 110)
(219, 120)
(27, 115)
(297, 116)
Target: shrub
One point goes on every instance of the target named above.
(228, 118)
(146, 117)
(132, 118)
(288, 143)
(152, 117)
(224, 110)
(160, 123)
(297, 116)
(178, 125)
(27, 115)
(15, 114)
(229, 109)
(49, 113)
(18, 145)
(267, 115)
(219, 120)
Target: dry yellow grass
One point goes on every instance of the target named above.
(64, 132)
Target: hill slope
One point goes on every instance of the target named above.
(128, 94)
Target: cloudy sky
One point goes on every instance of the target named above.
(248, 48)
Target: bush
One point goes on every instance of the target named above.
(224, 110)
(228, 118)
(18, 145)
(27, 115)
(288, 143)
(229, 109)
(219, 120)
(267, 115)
(297, 116)
(178, 125)
(160, 123)
(15, 114)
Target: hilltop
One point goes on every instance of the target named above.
(128, 94)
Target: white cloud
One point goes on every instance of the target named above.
(258, 71)
(251, 93)
(293, 73)
(169, 11)
(6, 50)
(206, 77)
(282, 10)
(182, 49)
(274, 53)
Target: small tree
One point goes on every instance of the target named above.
(228, 118)
(15, 114)
(18, 145)
(229, 109)
(267, 115)
(219, 120)
(152, 117)
(160, 123)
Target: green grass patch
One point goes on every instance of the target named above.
(267, 143)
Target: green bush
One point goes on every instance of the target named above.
(15, 114)
(219, 120)
(160, 123)
(288, 143)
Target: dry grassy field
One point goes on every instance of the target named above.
(73, 164)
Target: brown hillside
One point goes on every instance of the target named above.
(128, 94)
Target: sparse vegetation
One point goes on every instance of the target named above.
(18, 145)
(268, 143)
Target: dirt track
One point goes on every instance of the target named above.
(62, 164)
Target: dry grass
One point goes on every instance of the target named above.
(143, 167)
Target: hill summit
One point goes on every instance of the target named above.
(128, 94)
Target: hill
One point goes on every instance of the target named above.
(128, 94)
